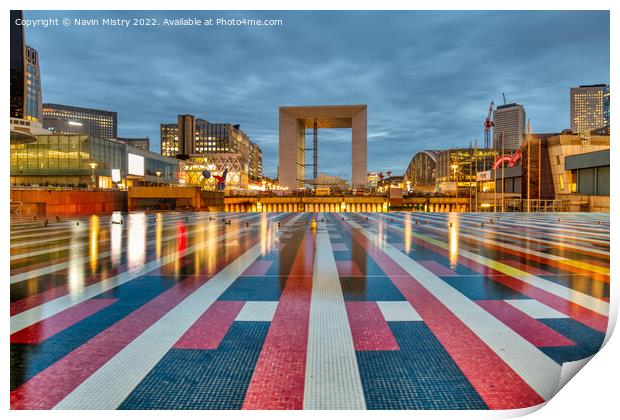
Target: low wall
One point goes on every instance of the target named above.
(591, 203)
(67, 202)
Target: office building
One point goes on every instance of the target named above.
(34, 97)
(65, 119)
(194, 138)
(293, 123)
(18, 67)
(143, 143)
(589, 108)
(509, 127)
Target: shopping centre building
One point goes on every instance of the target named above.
(81, 160)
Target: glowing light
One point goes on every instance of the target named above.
(94, 243)
(158, 234)
(407, 233)
(116, 175)
(136, 240)
(116, 239)
(135, 164)
(453, 223)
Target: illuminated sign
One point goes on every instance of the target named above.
(483, 176)
(135, 164)
(75, 123)
(116, 175)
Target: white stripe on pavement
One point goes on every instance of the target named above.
(332, 376)
(47, 309)
(538, 370)
(571, 295)
(106, 389)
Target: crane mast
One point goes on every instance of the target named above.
(488, 123)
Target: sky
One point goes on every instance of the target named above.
(427, 77)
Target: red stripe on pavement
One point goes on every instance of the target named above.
(280, 373)
(436, 268)
(369, 329)
(55, 292)
(537, 258)
(42, 330)
(50, 386)
(497, 384)
(348, 269)
(531, 329)
(209, 330)
(579, 313)
(258, 268)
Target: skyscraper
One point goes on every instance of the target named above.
(509, 127)
(34, 98)
(18, 62)
(67, 119)
(143, 143)
(589, 108)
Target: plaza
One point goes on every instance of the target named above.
(202, 310)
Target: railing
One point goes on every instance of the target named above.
(535, 205)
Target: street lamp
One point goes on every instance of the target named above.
(93, 165)
(455, 168)
(158, 173)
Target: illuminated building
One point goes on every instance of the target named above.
(421, 172)
(143, 143)
(207, 143)
(457, 168)
(396, 181)
(34, 99)
(81, 160)
(509, 127)
(18, 64)
(589, 108)
(65, 119)
(335, 183)
(295, 120)
(192, 171)
(372, 180)
(554, 171)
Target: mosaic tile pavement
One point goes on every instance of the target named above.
(362, 311)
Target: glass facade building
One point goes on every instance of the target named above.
(18, 62)
(143, 143)
(508, 127)
(34, 98)
(65, 161)
(65, 119)
(462, 165)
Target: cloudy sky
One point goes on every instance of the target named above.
(427, 77)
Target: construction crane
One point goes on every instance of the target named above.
(487, 126)
(504, 96)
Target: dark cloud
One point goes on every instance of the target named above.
(427, 77)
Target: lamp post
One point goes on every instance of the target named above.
(93, 181)
(455, 168)
(158, 174)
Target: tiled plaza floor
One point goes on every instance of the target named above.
(362, 311)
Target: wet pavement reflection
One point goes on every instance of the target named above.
(263, 310)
